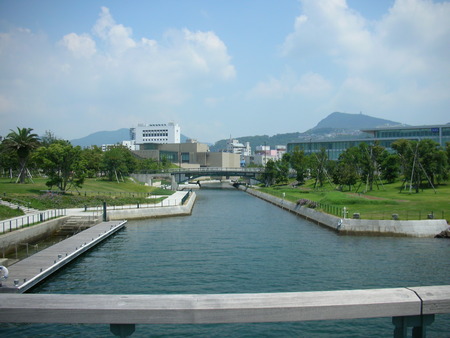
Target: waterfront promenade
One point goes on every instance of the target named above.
(360, 227)
(33, 216)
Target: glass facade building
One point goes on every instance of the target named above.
(384, 137)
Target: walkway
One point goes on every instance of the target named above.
(28, 272)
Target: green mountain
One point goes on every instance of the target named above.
(103, 137)
(279, 139)
(107, 137)
(353, 122)
(334, 126)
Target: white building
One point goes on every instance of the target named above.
(281, 150)
(130, 144)
(160, 133)
(263, 154)
(235, 147)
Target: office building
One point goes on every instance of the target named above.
(382, 136)
(160, 133)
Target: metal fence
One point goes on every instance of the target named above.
(28, 220)
(405, 215)
(161, 204)
(106, 193)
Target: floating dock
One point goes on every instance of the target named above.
(29, 272)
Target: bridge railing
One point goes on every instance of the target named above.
(203, 170)
(409, 307)
(216, 169)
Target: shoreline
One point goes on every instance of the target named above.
(359, 227)
(173, 207)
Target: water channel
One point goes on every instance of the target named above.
(236, 243)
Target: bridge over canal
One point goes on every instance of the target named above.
(181, 175)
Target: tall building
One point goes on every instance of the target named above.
(160, 133)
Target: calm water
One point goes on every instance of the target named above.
(235, 243)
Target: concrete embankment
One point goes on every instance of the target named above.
(171, 210)
(172, 206)
(8, 241)
(346, 226)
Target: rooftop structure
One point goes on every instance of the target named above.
(161, 133)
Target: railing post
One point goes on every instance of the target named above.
(122, 330)
(104, 212)
(419, 324)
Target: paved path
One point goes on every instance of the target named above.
(26, 210)
(26, 273)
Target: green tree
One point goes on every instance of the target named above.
(118, 161)
(48, 138)
(421, 160)
(23, 143)
(270, 173)
(346, 171)
(369, 163)
(8, 161)
(63, 165)
(447, 151)
(148, 164)
(93, 158)
(299, 163)
(318, 165)
(390, 167)
(282, 169)
(432, 160)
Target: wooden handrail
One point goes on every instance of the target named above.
(223, 308)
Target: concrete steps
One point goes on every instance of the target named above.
(76, 224)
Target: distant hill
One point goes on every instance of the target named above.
(103, 137)
(107, 137)
(353, 121)
(334, 126)
(279, 139)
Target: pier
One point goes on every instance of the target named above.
(29, 272)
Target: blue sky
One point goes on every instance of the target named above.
(220, 68)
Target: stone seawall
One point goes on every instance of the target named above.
(346, 226)
(8, 241)
(176, 210)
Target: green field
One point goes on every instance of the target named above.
(377, 204)
(94, 193)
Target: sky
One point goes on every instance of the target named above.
(223, 68)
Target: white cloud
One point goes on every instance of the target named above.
(330, 27)
(80, 45)
(398, 63)
(106, 76)
(309, 85)
(116, 35)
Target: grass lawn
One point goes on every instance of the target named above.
(7, 212)
(93, 193)
(380, 203)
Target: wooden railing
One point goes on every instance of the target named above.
(409, 307)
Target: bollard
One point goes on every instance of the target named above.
(104, 211)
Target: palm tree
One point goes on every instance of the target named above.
(22, 142)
